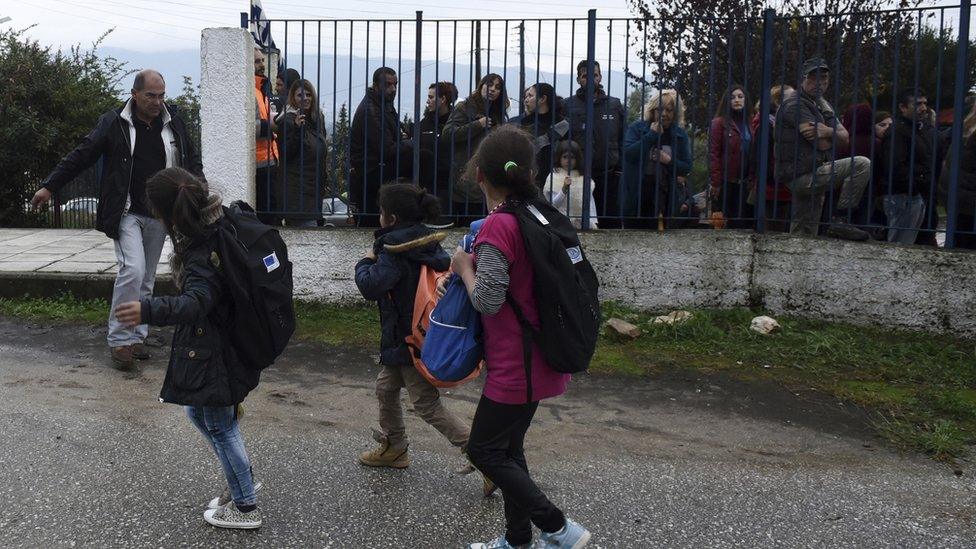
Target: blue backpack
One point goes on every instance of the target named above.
(453, 352)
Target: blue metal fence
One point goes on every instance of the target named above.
(694, 159)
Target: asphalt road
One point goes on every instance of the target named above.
(90, 458)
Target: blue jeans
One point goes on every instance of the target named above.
(905, 214)
(219, 426)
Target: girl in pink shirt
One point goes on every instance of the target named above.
(498, 270)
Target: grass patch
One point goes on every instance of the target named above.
(63, 308)
(354, 325)
(922, 387)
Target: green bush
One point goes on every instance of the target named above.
(49, 100)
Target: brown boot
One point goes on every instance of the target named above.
(122, 358)
(385, 455)
(140, 351)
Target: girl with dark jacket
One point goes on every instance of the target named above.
(471, 120)
(303, 175)
(729, 140)
(204, 372)
(389, 275)
(498, 270)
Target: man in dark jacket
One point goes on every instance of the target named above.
(807, 137)
(906, 165)
(136, 140)
(379, 150)
(608, 137)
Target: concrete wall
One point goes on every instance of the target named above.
(862, 283)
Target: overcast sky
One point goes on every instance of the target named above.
(154, 25)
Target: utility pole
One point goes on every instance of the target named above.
(477, 52)
(521, 29)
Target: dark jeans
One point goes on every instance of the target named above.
(496, 449)
(606, 195)
(266, 205)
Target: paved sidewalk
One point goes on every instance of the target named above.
(74, 251)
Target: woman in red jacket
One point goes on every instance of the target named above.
(729, 139)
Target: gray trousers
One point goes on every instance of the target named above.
(426, 400)
(137, 249)
(848, 175)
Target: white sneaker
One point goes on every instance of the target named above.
(224, 498)
(229, 516)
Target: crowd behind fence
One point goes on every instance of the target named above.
(637, 123)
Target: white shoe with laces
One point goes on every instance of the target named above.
(229, 516)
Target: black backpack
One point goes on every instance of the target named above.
(565, 289)
(256, 269)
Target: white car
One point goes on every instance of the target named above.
(82, 204)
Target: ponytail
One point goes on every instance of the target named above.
(182, 202)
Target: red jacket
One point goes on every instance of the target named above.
(726, 157)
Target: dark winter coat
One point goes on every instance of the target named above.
(375, 139)
(432, 139)
(112, 140)
(608, 132)
(391, 280)
(304, 168)
(906, 161)
(966, 193)
(466, 133)
(203, 367)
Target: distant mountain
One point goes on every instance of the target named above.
(336, 91)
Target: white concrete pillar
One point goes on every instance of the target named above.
(227, 112)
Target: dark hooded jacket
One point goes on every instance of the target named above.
(391, 280)
(204, 369)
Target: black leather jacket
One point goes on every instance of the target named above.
(110, 139)
(203, 367)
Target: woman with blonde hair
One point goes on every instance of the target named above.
(657, 152)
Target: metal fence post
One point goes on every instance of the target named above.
(958, 104)
(416, 98)
(590, 93)
(769, 20)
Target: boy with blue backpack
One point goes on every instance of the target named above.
(389, 275)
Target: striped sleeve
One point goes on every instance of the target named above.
(491, 279)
